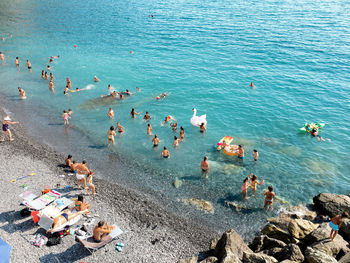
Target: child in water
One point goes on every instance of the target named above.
(149, 129)
(65, 117)
(255, 154)
(254, 182)
(245, 187)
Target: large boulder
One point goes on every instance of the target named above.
(258, 258)
(291, 252)
(345, 230)
(278, 233)
(189, 260)
(288, 261)
(200, 204)
(299, 228)
(345, 259)
(316, 256)
(210, 260)
(231, 258)
(231, 243)
(331, 204)
(263, 242)
(272, 251)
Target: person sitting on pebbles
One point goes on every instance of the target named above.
(80, 205)
(101, 230)
(68, 161)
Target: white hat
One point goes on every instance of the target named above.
(7, 118)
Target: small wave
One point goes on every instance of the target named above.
(88, 87)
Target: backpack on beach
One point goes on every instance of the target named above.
(54, 240)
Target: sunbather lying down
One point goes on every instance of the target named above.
(102, 230)
(64, 218)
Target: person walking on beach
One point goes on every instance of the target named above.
(133, 113)
(90, 184)
(336, 223)
(110, 113)
(205, 165)
(149, 129)
(17, 62)
(29, 65)
(165, 153)
(65, 117)
(245, 187)
(111, 134)
(269, 195)
(6, 128)
(240, 151)
(255, 154)
(155, 140)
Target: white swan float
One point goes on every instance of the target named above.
(198, 120)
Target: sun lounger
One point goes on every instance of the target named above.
(56, 207)
(42, 201)
(89, 243)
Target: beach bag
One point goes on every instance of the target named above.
(54, 240)
(39, 240)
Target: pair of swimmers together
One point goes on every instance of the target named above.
(111, 132)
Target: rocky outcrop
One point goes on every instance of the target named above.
(231, 258)
(258, 258)
(331, 204)
(299, 228)
(230, 245)
(210, 260)
(316, 256)
(263, 242)
(288, 261)
(189, 260)
(291, 252)
(278, 233)
(272, 251)
(200, 204)
(345, 230)
(345, 259)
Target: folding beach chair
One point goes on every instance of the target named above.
(91, 245)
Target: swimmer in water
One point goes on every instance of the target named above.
(165, 153)
(182, 133)
(202, 128)
(22, 93)
(48, 67)
(314, 133)
(155, 140)
(70, 112)
(111, 134)
(45, 75)
(133, 113)
(3, 39)
(255, 154)
(29, 65)
(252, 86)
(109, 87)
(163, 95)
(51, 60)
(127, 92)
(96, 79)
(166, 120)
(254, 182)
(205, 165)
(110, 113)
(138, 89)
(51, 85)
(2, 56)
(173, 125)
(77, 89)
(120, 128)
(240, 152)
(149, 129)
(51, 76)
(147, 117)
(245, 187)
(69, 84)
(176, 141)
(17, 62)
(65, 90)
(269, 195)
(121, 96)
(65, 117)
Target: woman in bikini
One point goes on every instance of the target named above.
(245, 187)
(80, 205)
(176, 141)
(63, 218)
(65, 117)
(149, 129)
(111, 134)
(182, 133)
(133, 113)
(254, 182)
(269, 195)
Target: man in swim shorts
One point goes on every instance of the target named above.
(165, 153)
(155, 140)
(336, 223)
(240, 151)
(205, 165)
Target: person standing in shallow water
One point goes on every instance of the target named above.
(165, 153)
(240, 151)
(111, 134)
(255, 154)
(155, 140)
(269, 195)
(205, 165)
(133, 113)
(6, 128)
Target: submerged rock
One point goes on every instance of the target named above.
(177, 182)
(231, 245)
(258, 258)
(331, 204)
(315, 256)
(200, 204)
(234, 206)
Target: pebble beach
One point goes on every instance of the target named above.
(151, 234)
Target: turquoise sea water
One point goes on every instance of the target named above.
(204, 54)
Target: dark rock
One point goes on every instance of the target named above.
(344, 230)
(258, 258)
(291, 252)
(278, 233)
(263, 242)
(316, 256)
(345, 259)
(331, 204)
(272, 251)
(231, 243)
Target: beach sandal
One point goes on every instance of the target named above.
(120, 244)
(119, 248)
